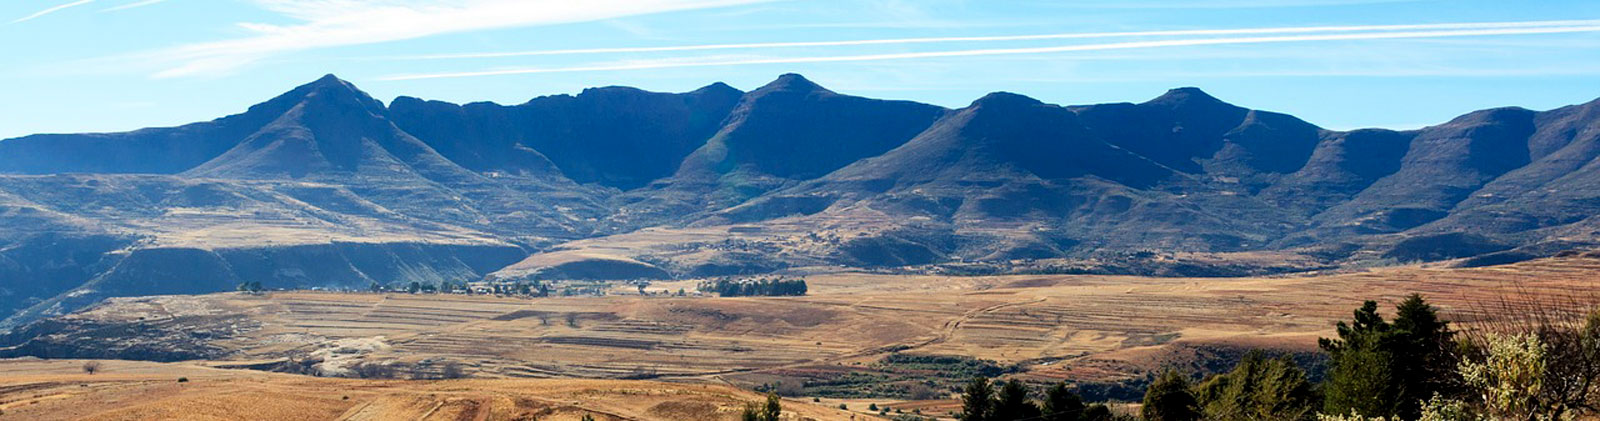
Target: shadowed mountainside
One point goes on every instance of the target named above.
(326, 186)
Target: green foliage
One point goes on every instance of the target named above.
(773, 409)
(1379, 369)
(760, 287)
(751, 413)
(977, 401)
(1169, 399)
(1441, 409)
(1258, 388)
(1424, 355)
(1060, 404)
(1012, 403)
(1510, 377)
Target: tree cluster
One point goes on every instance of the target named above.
(525, 289)
(778, 287)
(981, 402)
(772, 410)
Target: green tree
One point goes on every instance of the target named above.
(1359, 380)
(1169, 399)
(1060, 404)
(1259, 388)
(977, 403)
(1379, 369)
(1425, 360)
(1012, 403)
(773, 409)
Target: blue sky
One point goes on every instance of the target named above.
(112, 65)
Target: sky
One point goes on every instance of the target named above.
(114, 65)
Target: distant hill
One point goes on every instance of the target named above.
(325, 186)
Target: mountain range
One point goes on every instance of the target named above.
(327, 187)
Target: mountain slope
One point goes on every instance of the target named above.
(617, 137)
(787, 131)
(326, 186)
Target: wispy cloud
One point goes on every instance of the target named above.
(1033, 37)
(333, 23)
(52, 9)
(1523, 28)
(1219, 4)
(133, 5)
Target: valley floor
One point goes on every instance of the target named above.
(1044, 328)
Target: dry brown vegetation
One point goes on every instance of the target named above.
(1079, 327)
(57, 390)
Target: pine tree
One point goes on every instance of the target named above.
(1359, 379)
(977, 403)
(1169, 399)
(1061, 404)
(1424, 359)
(1379, 369)
(1013, 404)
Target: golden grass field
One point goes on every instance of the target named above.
(124, 390)
(1078, 327)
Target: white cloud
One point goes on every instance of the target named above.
(50, 10)
(1219, 4)
(333, 23)
(136, 4)
(1003, 38)
(1581, 26)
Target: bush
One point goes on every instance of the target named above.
(91, 367)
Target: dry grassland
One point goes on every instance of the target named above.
(58, 390)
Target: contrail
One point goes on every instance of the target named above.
(132, 5)
(1198, 32)
(40, 13)
(1593, 26)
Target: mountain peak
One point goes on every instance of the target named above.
(328, 79)
(717, 87)
(792, 82)
(1187, 95)
(1005, 99)
(330, 90)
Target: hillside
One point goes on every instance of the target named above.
(855, 335)
(325, 186)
